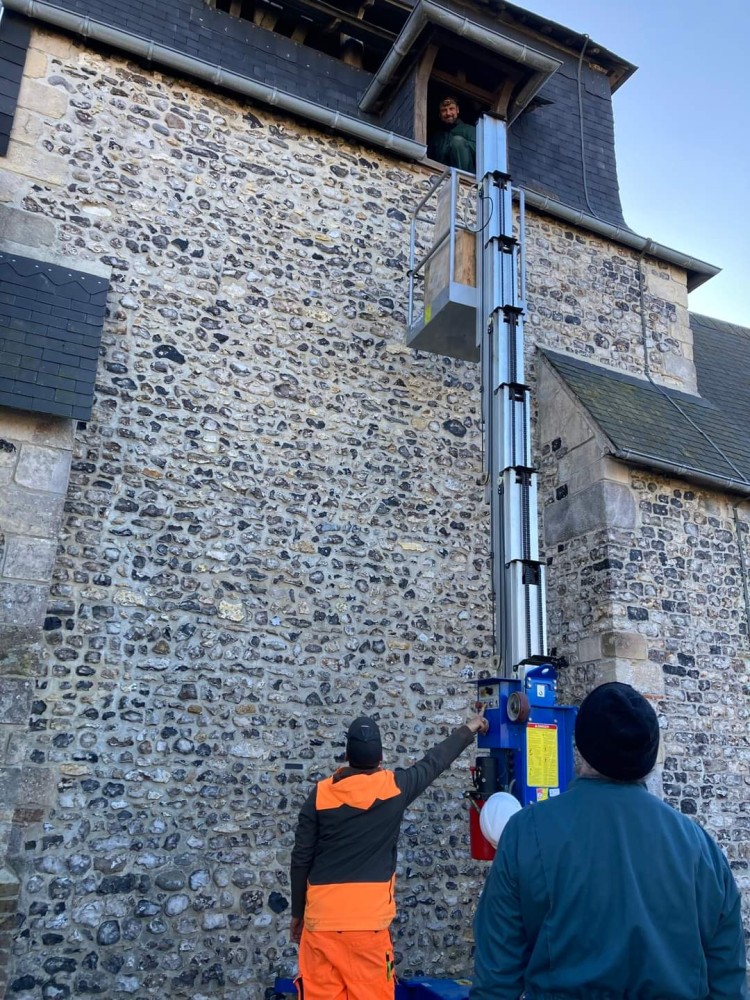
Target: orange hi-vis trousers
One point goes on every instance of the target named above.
(346, 965)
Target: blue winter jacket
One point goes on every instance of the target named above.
(607, 893)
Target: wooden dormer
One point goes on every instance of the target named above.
(442, 50)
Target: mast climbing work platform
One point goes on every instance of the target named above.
(474, 310)
(442, 285)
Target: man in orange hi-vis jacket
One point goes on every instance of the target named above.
(343, 869)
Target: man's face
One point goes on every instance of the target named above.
(449, 113)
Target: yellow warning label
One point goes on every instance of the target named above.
(541, 755)
(428, 312)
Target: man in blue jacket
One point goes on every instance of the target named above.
(606, 892)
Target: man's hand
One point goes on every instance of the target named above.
(478, 724)
(295, 929)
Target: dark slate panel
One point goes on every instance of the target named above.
(15, 30)
(15, 55)
(706, 433)
(50, 331)
(15, 33)
(8, 102)
(545, 146)
(10, 76)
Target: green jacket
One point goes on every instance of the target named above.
(456, 146)
(607, 893)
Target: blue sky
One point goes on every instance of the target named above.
(682, 126)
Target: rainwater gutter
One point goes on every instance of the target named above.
(427, 13)
(217, 76)
(680, 471)
(698, 270)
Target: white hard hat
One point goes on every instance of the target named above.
(495, 813)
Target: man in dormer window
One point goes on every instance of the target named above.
(454, 142)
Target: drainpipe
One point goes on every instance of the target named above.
(644, 326)
(729, 483)
(215, 75)
(743, 563)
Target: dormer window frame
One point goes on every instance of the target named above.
(509, 100)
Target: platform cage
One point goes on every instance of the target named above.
(442, 269)
(445, 240)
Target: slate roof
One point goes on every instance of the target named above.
(699, 436)
(50, 330)
(722, 359)
(544, 145)
(15, 33)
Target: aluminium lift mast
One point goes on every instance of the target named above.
(530, 739)
(517, 573)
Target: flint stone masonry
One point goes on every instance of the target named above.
(655, 603)
(583, 298)
(275, 520)
(34, 461)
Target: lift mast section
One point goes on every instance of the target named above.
(517, 573)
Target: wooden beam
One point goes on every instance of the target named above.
(463, 87)
(357, 27)
(265, 16)
(501, 99)
(421, 86)
(352, 51)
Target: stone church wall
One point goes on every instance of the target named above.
(274, 522)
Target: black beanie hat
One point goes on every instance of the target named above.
(364, 748)
(617, 732)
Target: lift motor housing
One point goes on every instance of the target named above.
(530, 744)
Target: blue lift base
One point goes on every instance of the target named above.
(409, 989)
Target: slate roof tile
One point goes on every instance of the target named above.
(703, 435)
(15, 33)
(50, 333)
